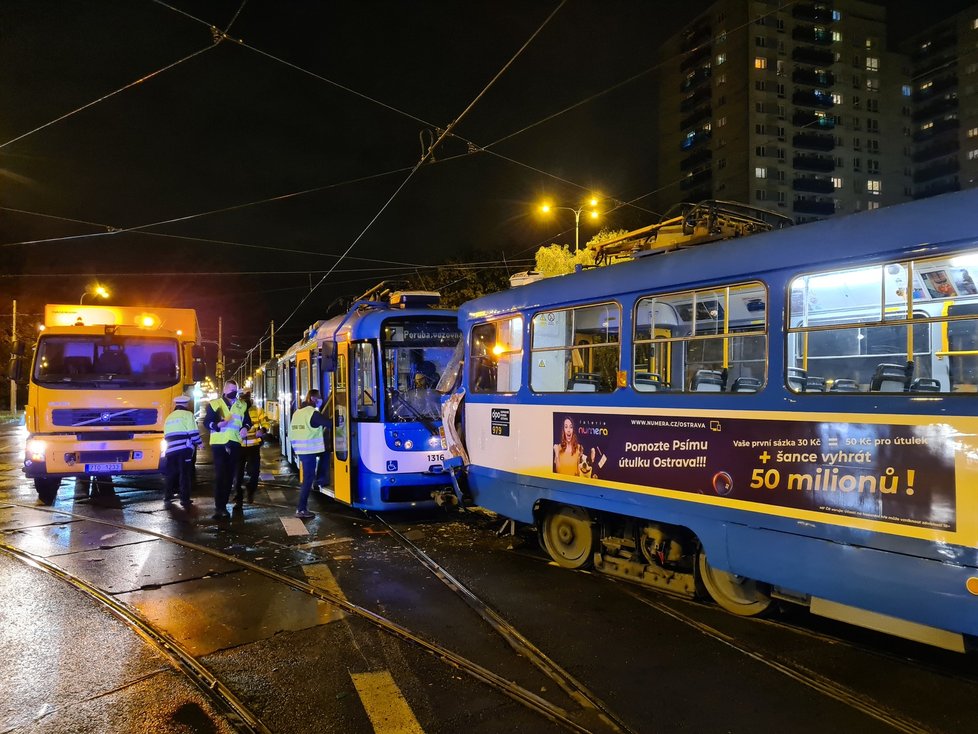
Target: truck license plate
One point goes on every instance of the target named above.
(102, 468)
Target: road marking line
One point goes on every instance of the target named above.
(385, 704)
(319, 575)
(294, 526)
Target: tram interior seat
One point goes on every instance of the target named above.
(844, 385)
(925, 384)
(78, 365)
(650, 382)
(584, 382)
(892, 377)
(113, 361)
(814, 384)
(708, 381)
(746, 384)
(797, 378)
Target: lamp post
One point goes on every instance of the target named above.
(96, 291)
(592, 202)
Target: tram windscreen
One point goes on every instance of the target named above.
(416, 352)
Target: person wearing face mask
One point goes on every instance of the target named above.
(228, 421)
(306, 429)
(250, 452)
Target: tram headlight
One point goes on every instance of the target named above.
(36, 449)
(409, 444)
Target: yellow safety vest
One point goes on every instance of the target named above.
(305, 438)
(235, 415)
(180, 431)
(258, 420)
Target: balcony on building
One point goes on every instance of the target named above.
(936, 170)
(700, 115)
(695, 58)
(813, 141)
(694, 138)
(817, 163)
(813, 77)
(939, 127)
(818, 35)
(950, 146)
(697, 179)
(695, 99)
(813, 184)
(695, 78)
(812, 56)
(938, 187)
(808, 119)
(812, 12)
(813, 206)
(941, 84)
(940, 46)
(695, 160)
(812, 98)
(937, 108)
(695, 37)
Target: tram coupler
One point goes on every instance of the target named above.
(453, 466)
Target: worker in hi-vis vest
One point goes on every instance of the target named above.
(309, 443)
(182, 439)
(250, 452)
(228, 421)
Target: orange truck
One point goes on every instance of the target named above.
(102, 381)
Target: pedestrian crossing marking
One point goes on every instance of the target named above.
(294, 526)
(384, 703)
(319, 575)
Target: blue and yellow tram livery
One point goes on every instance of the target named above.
(788, 415)
(377, 366)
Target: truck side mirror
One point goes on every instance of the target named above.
(198, 371)
(15, 370)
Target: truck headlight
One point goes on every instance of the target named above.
(36, 449)
(162, 446)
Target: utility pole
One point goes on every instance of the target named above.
(272, 355)
(219, 370)
(13, 338)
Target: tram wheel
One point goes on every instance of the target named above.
(47, 489)
(738, 595)
(567, 534)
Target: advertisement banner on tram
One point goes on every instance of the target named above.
(901, 474)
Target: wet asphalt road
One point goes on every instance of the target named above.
(659, 664)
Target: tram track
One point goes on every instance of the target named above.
(237, 714)
(521, 695)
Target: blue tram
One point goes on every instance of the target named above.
(377, 367)
(788, 415)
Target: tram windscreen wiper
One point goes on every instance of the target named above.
(421, 417)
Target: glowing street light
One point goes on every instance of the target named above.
(94, 290)
(547, 207)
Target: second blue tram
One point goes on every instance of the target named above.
(377, 367)
(789, 415)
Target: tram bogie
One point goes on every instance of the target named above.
(785, 416)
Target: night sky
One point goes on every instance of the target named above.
(303, 134)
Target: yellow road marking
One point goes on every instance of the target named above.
(385, 705)
(319, 575)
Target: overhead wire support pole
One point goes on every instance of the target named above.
(13, 338)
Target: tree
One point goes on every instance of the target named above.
(559, 260)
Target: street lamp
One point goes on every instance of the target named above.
(546, 208)
(96, 290)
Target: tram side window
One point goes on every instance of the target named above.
(364, 393)
(708, 340)
(496, 356)
(902, 327)
(576, 349)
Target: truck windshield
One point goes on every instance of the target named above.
(97, 361)
(415, 353)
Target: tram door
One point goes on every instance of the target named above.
(342, 484)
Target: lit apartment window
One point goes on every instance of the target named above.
(872, 63)
(837, 182)
(973, 132)
(836, 36)
(926, 85)
(836, 15)
(972, 155)
(722, 121)
(760, 172)
(974, 24)
(760, 62)
(721, 79)
(906, 90)
(873, 187)
(781, 68)
(872, 205)
(721, 58)
(872, 85)
(927, 126)
(836, 98)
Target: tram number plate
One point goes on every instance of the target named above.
(499, 422)
(102, 468)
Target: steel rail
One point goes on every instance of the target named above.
(238, 715)
(520, 644)
(519, 694)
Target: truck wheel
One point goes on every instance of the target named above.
(47, 489)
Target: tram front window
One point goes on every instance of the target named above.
(415, 355)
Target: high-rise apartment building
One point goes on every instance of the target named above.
(797, 107)
(945, 105)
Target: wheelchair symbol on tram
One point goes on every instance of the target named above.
(392, 465)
